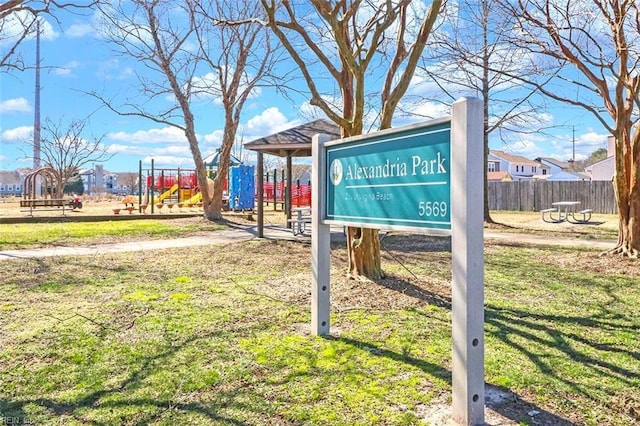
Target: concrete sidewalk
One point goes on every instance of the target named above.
(548, 240)
(245, 233)
(237, 233)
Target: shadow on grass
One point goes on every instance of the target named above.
(503, 401)
(566, 334)
(233, 396)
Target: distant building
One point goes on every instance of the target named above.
(12, 182)
(518, 168)
(604, 169)
(99, 180)
(560, 170)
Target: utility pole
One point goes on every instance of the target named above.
(36, 119)
(573, 140)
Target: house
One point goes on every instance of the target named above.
(560, 170)
(12, 182)
(604, 169)
(100, 180)
(518, 168)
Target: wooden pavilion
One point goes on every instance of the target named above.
(293, 142)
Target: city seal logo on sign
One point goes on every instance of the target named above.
(336, 172)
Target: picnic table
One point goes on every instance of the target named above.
(566, 212)
(299, 223)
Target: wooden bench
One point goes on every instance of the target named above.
(549, 213)
(45, 204)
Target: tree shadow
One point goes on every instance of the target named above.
(525, 330)
(234, 394)
(502, 401)
(515, 327)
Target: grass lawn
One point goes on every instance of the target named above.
(219, 335)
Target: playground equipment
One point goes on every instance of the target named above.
(241, 188)
(274, 191)
(195, 199)
(46, 181)
(168, 193)
(160, 187)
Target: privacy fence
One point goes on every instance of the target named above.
(538, 195)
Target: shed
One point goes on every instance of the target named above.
(293, 142)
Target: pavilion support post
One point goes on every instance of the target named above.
(260, 177)
(287, 197)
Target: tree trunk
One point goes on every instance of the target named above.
(628, 235)
(213, 209)
(629, 225)
(364, 253)
(485, 109)
(626, 183)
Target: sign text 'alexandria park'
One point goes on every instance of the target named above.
(399, 179)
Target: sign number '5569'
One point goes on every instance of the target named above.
(432, 208)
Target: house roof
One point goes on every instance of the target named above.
(562, 164)
(590, 167)
(579, 175)
(503, 175)
(213, 160)
(516, 159)
(295, 141)
(9, 177)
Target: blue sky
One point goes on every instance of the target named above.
(76, 61)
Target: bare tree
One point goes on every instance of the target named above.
(356, 45)
(241, 57)
(130, 180)
(18, 22)
(66, 149)
(595, 44)
(472, 56)
(176, 42)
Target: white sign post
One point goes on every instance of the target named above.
(466, 164)
(320, 241)
(467, 257)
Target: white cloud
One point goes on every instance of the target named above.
(168, 161)
(207, 86)
(429, 110)
(167, 156)
(14, 105)
(80, 30)
(593, 139)
(14, 25)
(163, 135)
(525, 148)
(113, 70)
(19, 134)
(269, 118)
(268, 122)
(67, 69)
(310, 112)
(214, 138)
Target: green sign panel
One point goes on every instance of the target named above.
(392, 179)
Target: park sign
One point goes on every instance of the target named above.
(426, 178)
(396, 179)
